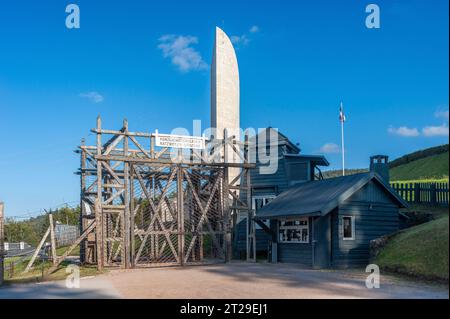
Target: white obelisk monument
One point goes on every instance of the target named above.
(225, 93)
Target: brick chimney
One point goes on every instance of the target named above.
(379, 165)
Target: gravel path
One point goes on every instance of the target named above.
(235, 280)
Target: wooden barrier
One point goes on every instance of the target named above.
(435, 194)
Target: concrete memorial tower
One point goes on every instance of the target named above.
(225, 93)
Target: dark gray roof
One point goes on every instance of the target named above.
(318, 198)
(319, 160)
(282, 139)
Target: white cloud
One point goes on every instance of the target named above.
(93, 96)
(427, 131)
(244, 39)
(179, 49)
(254, 29)
(430, 131)
(442, 115)
(330, 148)
(404, 131)
(240, 39)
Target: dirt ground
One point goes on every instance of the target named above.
(235, 280)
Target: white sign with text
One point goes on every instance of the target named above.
(179, 141)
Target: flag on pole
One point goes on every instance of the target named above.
(341, 114)
(342, 120)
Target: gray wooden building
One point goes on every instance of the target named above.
(292, 168)
(330, 223)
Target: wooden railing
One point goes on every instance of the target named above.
(436, 194)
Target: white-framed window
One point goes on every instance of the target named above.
(294, 231)
(259, 201)
(348, 228)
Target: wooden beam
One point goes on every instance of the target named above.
(139, 146)
(98, 203)
(75, 244)
(180, 210)
(83, 199)
(132, 217)
(111, 147)
(126, 234)
(168, 161)
(52, 238)
(36, 252)
(264, 227)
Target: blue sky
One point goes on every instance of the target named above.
(297, 60)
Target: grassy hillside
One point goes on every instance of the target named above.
(338, 172)
(430, 164)
(436, 150)
(419, 251)
(431, 167)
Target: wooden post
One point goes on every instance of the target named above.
(251, 242)
(2, 244)
(132, 216)
(249, 218)
(226, 204)
(11, 269)
(98, 205)
(52, 238)
(152, 147)
(72, 247)
(180, 215)
(417, 193)
(36, 252)
(227, 216)
(433, 194)
(83, 221)
(126, 213)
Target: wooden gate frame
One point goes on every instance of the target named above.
(107, 174)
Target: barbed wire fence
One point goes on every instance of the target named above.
(37, 213)
(18, 254)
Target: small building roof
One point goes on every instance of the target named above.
(318, 198)
(292, 150)
(318, 160)
(282, 139)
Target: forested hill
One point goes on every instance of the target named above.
(32, 230)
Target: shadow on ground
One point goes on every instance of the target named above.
(58, 290)
(332, 283)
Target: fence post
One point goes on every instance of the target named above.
(433, 194)
(52, 238)
(417, 193)
(2, 266)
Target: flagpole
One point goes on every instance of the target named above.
(342, 120)
(343, 149)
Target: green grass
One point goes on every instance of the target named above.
(420, 251)
(429, 168)
(61, 250)
(35, 274)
